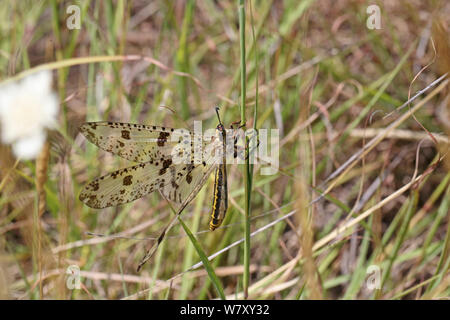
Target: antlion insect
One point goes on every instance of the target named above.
(153, 147)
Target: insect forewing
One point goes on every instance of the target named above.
(134, 142)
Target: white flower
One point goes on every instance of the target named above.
(26, 109)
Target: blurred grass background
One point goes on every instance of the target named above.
(325, 81)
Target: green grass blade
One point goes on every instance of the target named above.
(212, 275)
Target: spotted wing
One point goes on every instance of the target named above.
(128, 184)
(135, 142)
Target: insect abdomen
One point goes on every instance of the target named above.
(220, 201)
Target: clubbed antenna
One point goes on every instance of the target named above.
(217, 112)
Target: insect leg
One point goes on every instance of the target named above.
(239, 150)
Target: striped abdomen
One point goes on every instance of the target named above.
(220, 201)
